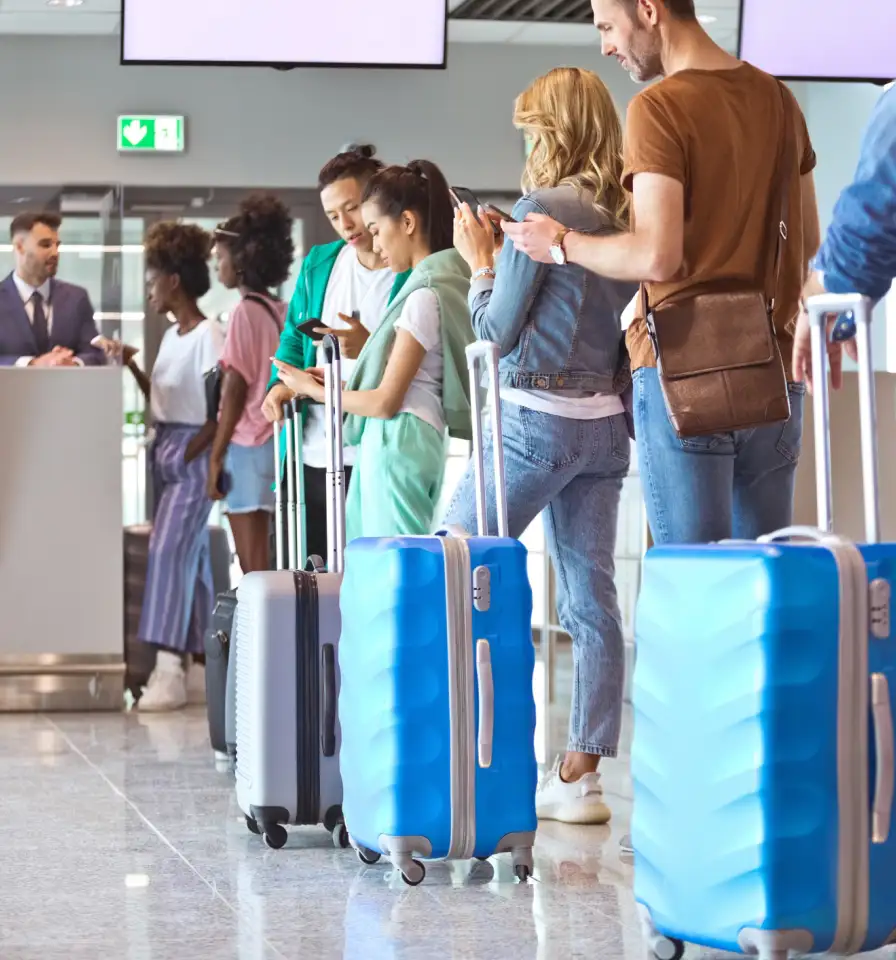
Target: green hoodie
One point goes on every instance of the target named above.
(448, 276)
(307, 303)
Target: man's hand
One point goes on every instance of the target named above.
(534, 236)
(272, 408)
(802, 343)
(215, 469)
(57, 357)
(352, 339)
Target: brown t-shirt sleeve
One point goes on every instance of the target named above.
(808, 160)
(652, 143)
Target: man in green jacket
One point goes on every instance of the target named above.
(345, 287)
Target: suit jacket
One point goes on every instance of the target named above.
(73, 324)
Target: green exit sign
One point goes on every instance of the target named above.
(144, 134)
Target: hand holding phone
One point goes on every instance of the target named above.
(309, 327)
(503, 215)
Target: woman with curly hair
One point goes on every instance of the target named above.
(254, 252)
(179, 593)
(566, 441)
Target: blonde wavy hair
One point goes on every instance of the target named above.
(576, 138)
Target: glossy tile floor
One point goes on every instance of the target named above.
(119, 839)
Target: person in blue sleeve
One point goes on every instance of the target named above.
(859, 252)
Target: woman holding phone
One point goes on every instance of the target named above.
(566, 443)
(409, 387)
(179, 593)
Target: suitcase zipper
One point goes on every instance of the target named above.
(459, 602)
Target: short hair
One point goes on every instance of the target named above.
(357, 161)
(680, 9)
(26, 222)
(182, 250)
(260, 242)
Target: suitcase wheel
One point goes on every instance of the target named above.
(274, 835)
(668, 949)
(340, 837)
(414, 875)
(369, 857)
(253, 826)
(523, 872)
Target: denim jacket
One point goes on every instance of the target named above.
(558, 327)
(859, 252)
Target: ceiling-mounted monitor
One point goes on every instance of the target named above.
(820, 39)
(285, 33)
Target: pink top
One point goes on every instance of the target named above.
(252, 339)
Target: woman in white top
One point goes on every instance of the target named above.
(179, 595)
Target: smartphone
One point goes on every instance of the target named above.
(501, 213)
(308, 329)
(225, 483)
(461, 195)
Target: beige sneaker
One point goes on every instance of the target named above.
(196, 685)
(581, 801)
(167, 686)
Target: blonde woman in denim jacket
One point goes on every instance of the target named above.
(566, 443)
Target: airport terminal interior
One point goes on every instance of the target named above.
(121, 837)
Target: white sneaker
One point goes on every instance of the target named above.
(167, 686)
(196, 685)
(579, 802)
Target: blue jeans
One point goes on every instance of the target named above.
(573, 471)
(703, 489)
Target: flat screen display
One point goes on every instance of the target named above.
(363, 33)
(820, 39)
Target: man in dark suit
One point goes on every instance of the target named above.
(44, 322)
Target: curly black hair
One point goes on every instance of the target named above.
(180, 249)
(259, 239)
(357, 160)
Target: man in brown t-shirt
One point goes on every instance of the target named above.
(702, 160)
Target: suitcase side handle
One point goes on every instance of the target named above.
(335, 458)
(488, 352)
(486, 702)
(328, 704)
(819, 309)
(881, 711)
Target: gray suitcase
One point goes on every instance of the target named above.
(287, 674)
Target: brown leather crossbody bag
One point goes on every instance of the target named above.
(717, 356)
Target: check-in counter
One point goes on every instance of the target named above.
(61, 557)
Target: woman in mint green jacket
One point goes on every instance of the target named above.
(409, 388)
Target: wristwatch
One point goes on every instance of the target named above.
(558, 253)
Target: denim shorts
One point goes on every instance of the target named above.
(251, 472)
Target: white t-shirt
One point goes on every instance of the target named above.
(420, 317)
(595, 407)
(178, 376)
(351, 287)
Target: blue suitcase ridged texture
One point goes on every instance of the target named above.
(735, 821)
(394, 698)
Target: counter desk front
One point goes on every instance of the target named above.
(61, 555)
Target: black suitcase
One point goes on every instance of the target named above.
(218, 643)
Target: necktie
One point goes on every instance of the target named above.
(39, 323)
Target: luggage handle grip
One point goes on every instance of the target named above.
(335, 455)
(881, 711)
(328, 704)
(486, 702)
(819, 309)
(485, 350)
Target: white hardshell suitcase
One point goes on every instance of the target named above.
(287, 673)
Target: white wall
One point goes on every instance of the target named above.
(264, 127)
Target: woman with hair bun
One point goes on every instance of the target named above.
(410, 384)
(254, 251)
(345, 287)
(179, 592)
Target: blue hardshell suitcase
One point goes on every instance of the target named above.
(763, 755)
(436, 704)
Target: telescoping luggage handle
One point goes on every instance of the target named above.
(295, 490)
(819, 308)
(335, 459)
(487, 352)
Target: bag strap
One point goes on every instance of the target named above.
(258, 298)
(780, 202)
